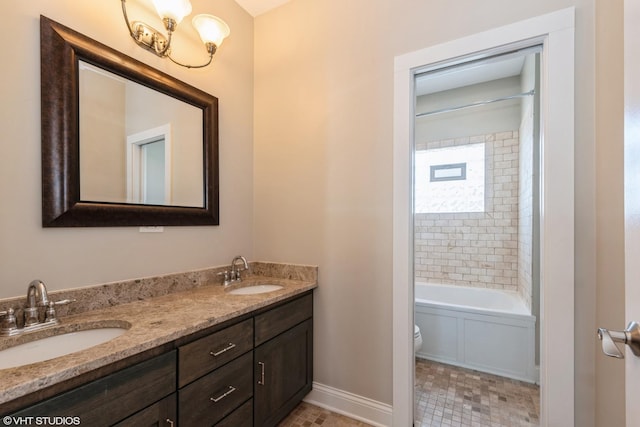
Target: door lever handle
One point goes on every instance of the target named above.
(630, 336)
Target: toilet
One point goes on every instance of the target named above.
(417, 339)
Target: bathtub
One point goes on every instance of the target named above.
(487, 330)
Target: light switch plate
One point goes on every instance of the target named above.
(152, 229)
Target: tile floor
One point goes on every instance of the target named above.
(448, 396)
(306, 415)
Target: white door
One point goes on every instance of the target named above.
(632, 197)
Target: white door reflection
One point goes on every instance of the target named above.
(149, 166)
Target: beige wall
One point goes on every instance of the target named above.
(65, 258)
(323, 170)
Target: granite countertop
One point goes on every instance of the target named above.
(153, 322)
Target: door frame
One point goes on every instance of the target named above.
(555, 31)
(135, 171)
(631, 199)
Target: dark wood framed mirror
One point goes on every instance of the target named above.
(71, 195)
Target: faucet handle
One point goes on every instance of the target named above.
(226, 276)
(50, 314)
(9, 323)
(63, 302)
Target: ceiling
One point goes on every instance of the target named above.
(258, 7)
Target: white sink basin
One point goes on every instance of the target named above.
(255, 289)
(58, 345)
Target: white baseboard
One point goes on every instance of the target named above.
(351, 405)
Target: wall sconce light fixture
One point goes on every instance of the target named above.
(212, 29)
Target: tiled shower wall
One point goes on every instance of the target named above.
(525, 205)
(475, 249)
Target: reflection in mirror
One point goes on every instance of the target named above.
(149, 172)
(149, 166)
(137, 145)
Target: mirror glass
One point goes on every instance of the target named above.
(137, 145)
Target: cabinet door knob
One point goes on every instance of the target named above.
(168, 421)
(261, 380)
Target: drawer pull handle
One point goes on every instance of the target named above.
(227, 348)
(168, 421)
(261, 380)
(223, 395)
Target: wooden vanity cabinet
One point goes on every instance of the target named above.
(283, 356)
(251, 373)
(111, 399)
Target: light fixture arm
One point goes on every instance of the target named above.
(211, 48)
(126, 18)
(154, 41)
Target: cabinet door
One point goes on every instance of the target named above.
(283, 373)
(160, 414)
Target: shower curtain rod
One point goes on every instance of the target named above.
(476, 104)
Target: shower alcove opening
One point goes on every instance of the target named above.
(476, 204)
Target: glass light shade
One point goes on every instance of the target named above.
(174, 9)
(211, 29)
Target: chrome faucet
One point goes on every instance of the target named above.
(235, 272)
(37, 297)
(234, 275)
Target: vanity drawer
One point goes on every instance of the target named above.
(161, 413)
(206, 354)
(279, 319)
(114, 397)
(241, 417)
(216, 395)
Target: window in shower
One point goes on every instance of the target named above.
(450, 172)
(450, 179)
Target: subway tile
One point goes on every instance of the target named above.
(465, 236)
